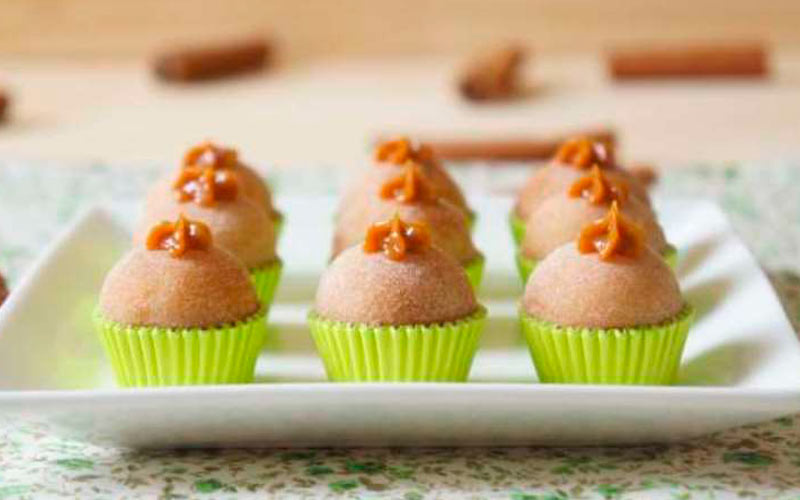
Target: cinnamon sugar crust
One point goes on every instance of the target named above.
(250, 186)
(367, 184)
(448, 225)
(560, 219)
(427, 287)
(555, 178)
(581, 290)
(240, 226)
(254, 187)
(204, 288)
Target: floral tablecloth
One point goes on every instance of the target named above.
(760, 461)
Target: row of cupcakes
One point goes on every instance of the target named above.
(601, 304)
(601, 301)
(574, 189)
(188, 304)
(398, 300)
(407, 180)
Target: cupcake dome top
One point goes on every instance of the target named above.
(607, 279)
(214, 197)
(400, 151)
(559, 218)
(569, 164)
(178, 279)
(410, 195)
(389, 159)
(252, 186)
(397, 277)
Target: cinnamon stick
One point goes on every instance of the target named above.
(692, 61)
(492, 76)
(5, 103)
(517, 149)
(213, 62)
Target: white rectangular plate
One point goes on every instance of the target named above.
(742, 360)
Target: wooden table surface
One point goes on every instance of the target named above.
(327, 112)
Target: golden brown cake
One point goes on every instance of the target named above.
(221, 159)
(214, 196)
(559, 218)
(570, 163)
(178, 279)
(605, 309)
(412, 196)
(389, 159)
(395, 278)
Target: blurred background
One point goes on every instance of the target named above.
(80, 78)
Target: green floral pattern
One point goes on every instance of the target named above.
(760, 461)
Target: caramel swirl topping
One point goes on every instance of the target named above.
(205, 185)
(598, 189)
(408, 187)
(583, 152)
(179, 237)
(401, 150)
(397, 238)
(612, 235)
(208, 154)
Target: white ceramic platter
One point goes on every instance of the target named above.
(742, 361)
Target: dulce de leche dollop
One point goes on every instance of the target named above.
(401, 150)
(598, 189)
(612, 235)
(179, 237)
(397, 238)
(208, 154)
(409, 187)
(205, 185)
(583, 152)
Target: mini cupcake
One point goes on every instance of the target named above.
(413, 197)
(570, 163)
(240, 226)
(605, 310)
(389, 159)
(561, 217)
(177, 310)
(251, 185)
(396, 308)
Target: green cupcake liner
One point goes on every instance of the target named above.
(671, 256)
(517, 228)
(413, 353)
(647, 355)
(152, 356)
(526, 266)
(265, 280)
(472, 219)
(278, 221)
(474, 270)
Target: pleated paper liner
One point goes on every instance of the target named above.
(472, 219)
(474, 270)
(646, 356)
(671, 256)
(279, 222)
(517, 225)
(265, 280)
(153, 356)
(413, 353)
(526, 266)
